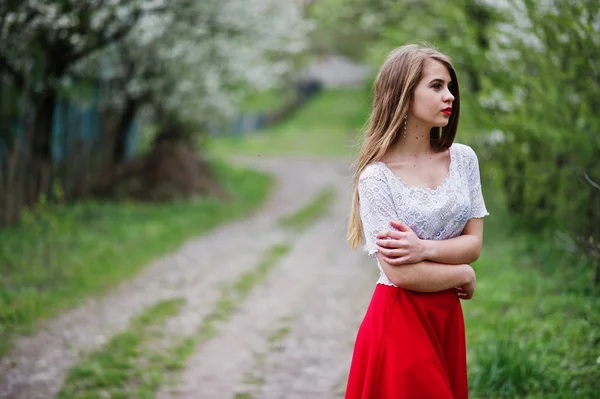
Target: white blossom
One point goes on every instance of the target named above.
(195, 57)
(221, 47)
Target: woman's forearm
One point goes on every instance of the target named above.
(454, 251)
(428, 276)
(402, 246)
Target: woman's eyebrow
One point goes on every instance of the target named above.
(438, 80)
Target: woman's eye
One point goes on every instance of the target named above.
(437, 86)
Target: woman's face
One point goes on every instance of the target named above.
(432, 101)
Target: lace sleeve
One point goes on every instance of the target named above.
(376, 206)
(478, 209)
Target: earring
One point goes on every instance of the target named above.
(405, 118)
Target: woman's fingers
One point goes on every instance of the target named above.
(391, 243)
(396, 261)
(393, 253)
(391, 261)
(390, 233)
(462, 294)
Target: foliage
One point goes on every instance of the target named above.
(41, 40)
(63, 253)
(533, 69)
(458, 29)
(541, 94)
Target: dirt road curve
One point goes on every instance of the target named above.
(291, 338)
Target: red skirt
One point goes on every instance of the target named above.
(410, 345)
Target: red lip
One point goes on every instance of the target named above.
(447, 111)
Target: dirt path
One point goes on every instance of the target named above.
(292, 337)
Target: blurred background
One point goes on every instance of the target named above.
(121, 122)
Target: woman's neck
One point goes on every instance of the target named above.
(417, 142)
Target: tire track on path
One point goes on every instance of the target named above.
(324, 288)
(36, 367)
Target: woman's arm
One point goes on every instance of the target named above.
(403, 247)
(377, 209)
(462, 249)
(428, 276)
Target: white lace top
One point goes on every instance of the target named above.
(432, 214)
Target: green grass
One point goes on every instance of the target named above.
(131, 366)
(72, 251)
(533, 327)
(327, 125)
(266, 100)
(233, 294)
(278, 335)
(311, 212)
(127, 367)
(254, 378)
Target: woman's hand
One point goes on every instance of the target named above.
(400, 247)
(466, 291)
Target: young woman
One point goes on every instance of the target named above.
(417, 199)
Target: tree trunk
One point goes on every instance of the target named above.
(172, 130)
(41, 146)
(123, 131)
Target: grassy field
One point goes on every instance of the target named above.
(265, 101)
(72, 251)
(326, 126)
(533, 325)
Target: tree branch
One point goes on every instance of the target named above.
(593, 184)
(18, 28)
(105, 40)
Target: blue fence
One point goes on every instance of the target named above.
(82, 123)
(73, 122)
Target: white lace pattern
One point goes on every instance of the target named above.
(432, 214)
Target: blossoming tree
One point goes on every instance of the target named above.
(185, 61)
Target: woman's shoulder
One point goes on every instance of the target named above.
(465, 152)
(374, 170)
(374, 175)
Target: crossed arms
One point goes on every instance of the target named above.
(430, 265)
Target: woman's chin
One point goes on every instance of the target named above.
(443, 123)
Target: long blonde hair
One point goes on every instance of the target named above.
(393, 93)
